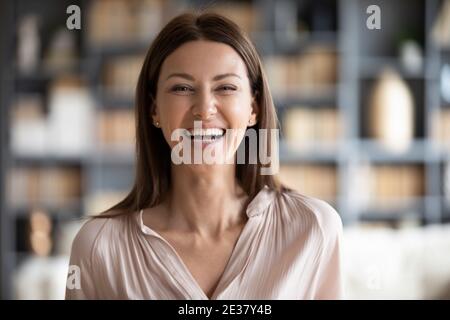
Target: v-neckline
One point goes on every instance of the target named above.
(180, 262)
(238, 259)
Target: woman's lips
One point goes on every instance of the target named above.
(205, 136)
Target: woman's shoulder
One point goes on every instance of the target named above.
(87, 235)
(310, 211)
(96, 230)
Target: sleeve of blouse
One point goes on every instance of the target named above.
(81, 273)
(329, 284)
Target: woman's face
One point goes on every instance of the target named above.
(205, 81)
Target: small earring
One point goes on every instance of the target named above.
(156, 123)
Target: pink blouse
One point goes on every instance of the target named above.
(288, 249)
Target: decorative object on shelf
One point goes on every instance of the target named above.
(441, 127)
(43, 278)
(376, 187)
(40, 233)
(118, 22)
(28, 126)
(312, 180)
(71, 117)
(409, 44)
(116, 130)
(120, 75)
(28, 44)
(411, 56)
(441, 28)
(392, 112)
(310, 74)
(52, 187)
(61, 53)
(445, 128)
(60, 187)
(445, 83)
(397, 185)
(306, 128)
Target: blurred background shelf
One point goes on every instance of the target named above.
(112, 157)
(314, 153)
(48, 160)
(69, 211)
(394, 218)
(305, 40)
(370, 67)
(324, 96)
(126, 48)
(323, 65)
(115, 102)
(376, 152)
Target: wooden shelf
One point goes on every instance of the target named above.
(69, 211)
(112, 157)
(316, 154)
(374, 151)
(129, 48)
(371, 67)
(325, 96)
(305, 40)
(47, 160)
(107, 101)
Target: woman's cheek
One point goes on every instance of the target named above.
(239, 115)
(175, 111)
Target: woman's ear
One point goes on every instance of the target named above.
(155, 114)
(156, 122)
(255, 111)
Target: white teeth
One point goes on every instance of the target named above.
(210, 132)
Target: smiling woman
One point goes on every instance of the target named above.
(201, 230)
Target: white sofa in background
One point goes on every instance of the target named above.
(410, 263)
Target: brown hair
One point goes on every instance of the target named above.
(153, 175)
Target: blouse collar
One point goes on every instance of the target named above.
(260, 202)
(256, 207)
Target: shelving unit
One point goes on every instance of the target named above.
(360, 55)
(6, 264)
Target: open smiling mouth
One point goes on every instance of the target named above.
(206, 135)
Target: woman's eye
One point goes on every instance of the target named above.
(181, 89)
(186, 89)
(227, 88)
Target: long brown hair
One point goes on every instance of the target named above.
(153, 175)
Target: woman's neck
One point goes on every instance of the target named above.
(205, 200)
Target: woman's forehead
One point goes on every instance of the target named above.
(204, 58)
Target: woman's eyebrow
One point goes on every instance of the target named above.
(221, 76)
(191, 78)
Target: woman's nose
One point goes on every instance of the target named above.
(204, 105)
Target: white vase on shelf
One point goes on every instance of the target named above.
(411, 57)
(392, 112)
(445, 83)
(71, 116)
